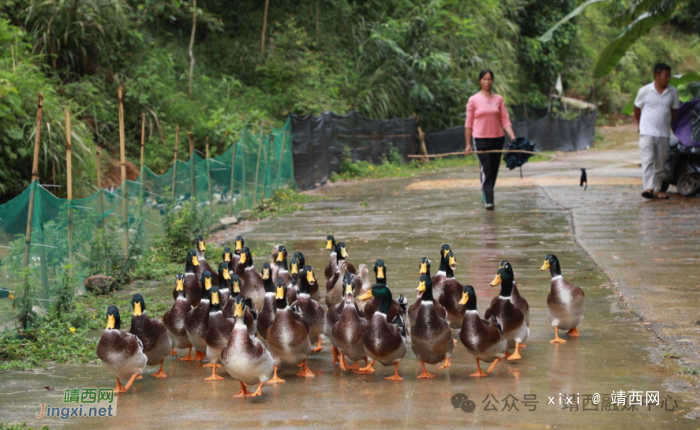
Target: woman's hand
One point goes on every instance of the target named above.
(509, 130)
(468, 149)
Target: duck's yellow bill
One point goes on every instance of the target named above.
(239, 245)
(366, 296)
(180, 285)
(238, 310)
(215, 299)
(280, 257)
(280, 293)
(545, 266)
(329, 245)
(195, 261)
(421, 286)
(380, 272)
(496, 281)
(207, 283)
(465, 299)
(244, 258)
(137, 309)
(423, 268)
(236, 287)
(110, 322)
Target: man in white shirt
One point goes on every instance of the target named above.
(655, 109)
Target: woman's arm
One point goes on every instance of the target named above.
(468, 125)
(505, 121)
(468, 139)
(509, 130)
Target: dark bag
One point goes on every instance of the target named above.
(517, 159)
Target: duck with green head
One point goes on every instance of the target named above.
(565, 302)
(345, 327)
(193, 289)
(515, 297)
(174, 320)
(288, 337)
(431, 336)
(245, 358)
(197, 320)
(122, 353)
(218, 331)
(282, 267)
(293, 285)
(251, 281)
(510, 318)
(227, 257)
(384, 341)
(201, 248)
(371, 304)
(152, 334)
(483, 338)
(267, 315)
(311, 310)
(224, 282)
(333, 257)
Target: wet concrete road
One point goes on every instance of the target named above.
(382, 219)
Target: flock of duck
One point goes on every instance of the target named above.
(221, 314)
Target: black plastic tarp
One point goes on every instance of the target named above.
(321, 143)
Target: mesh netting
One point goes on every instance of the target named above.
(222, 186)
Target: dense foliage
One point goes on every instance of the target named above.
(383, 58)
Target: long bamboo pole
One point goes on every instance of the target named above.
(193, 181)
(233, 171)
(279, 161)
(122, 157)
(177, 139)
(35, 177)
(262, 41)
(143, 138)
(257, 166)
(245, 186)
(208, 177)
(102, 205)
(69, 175)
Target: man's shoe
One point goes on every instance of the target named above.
(489, 206)
(648, 194)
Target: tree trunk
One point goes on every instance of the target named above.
(262, 42)
(194, 28)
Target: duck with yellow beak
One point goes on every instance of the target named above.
(238, 245)
(288, 337)
(122, 353)
(565, 302)
(201, 248)
(218, 330)
(293, 285)
(245, 358)
(174, 320)
(267, 315)
(397, 306)
(282, 267)
(251, 281)
(311, 311)
(227, 257)
(197, 320)
(384, 341)
(193, 288)
(224, 282)
(431, 336)
(350, 331)
(152, 334)
(483, 339)
(515, 297)
(507, 314)
(333, 257)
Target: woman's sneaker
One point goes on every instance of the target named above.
(489, 206)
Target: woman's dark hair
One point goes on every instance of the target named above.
(484, 72)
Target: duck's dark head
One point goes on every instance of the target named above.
(348, 286)
(505, 264)
(180, 285)
(300, 258)
(246, 257)
(424, 266)
(380, 271)
(280, 294)
(444, 250)
(114, 321)
(306, 279)
(235, 285)
(265, 272)
(238, 244)
(294, 266)
(138, 304)
(551, 262)
(468, 298)
(342, 251)
(281, 253)
(224, 274)
(425, 288)
(191, 262)
(505, 278)
(239, 307)
(330, 243)
(199, 244)
(451, 260)
(383, 295)
(227, 255)
(206, 283)
(214, 299)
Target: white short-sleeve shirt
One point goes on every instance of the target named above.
(656, 110)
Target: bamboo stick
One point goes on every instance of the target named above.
(262, 42)
(122, 157)
(245, 186)
(143, 138)
(35, 177)
(69, 175)
(208, 177)
(257, 166)
(233, 171)
(102, 206)
(177, 139)
(193, 180)
(279, 161)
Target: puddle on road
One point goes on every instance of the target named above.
(380, 220)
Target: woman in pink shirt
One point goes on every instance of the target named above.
(487, 117)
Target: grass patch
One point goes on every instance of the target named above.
(283, 202)
(20, 426)
(690, 371)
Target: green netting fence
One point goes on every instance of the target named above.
(222, 186)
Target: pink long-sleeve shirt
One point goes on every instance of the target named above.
(487, 117)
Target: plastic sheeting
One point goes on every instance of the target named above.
(321, 143)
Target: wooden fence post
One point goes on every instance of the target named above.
(69, 175)
(35, 177)
(193, 181)
(177, 139)
(257, 167)
(122, 157)
(208, 177)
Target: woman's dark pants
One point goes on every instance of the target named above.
(488, 163)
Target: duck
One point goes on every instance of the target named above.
(334, 311)
(174, 320)
(483, 338)
(201, 248)
(122, 353)
(252, 284)
(251, 316)
(449, 292)
(384, 341)
(333, 257)
(238, 244)
(300, 259)
(334, 286)
(347, 328)
(288, 338)
(282, 268)
(193, 289)
(311, 310)
(224, 282)
(507, 314)
(441, 274)
(245, 357)
(273, 260)
(365, 285)
(218, 331)
(267, 315)
(227, 257)
(152, 334)
(197, 320)
(515, 297)
(293, 285)
(431, 336)
(341, 254)
(397, 306)
(565, 302)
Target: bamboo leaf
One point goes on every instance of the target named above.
(574, 13)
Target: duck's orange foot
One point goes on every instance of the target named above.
(557, 340)
(318, 347)
(199, 356)
(243, 392)
(305, 372)
(172, 352)
(367, 370)
(159, 373)
(335, 352)
(479, 373)
(455, 341)
(257, 392)
(423, 375)
(514, 356)
(355, 366)
(395, 376)
(216, 365)
(343, 363)
(275, 379)
(573, 332)
(139, 377)
(214, 377)
(446, 364)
